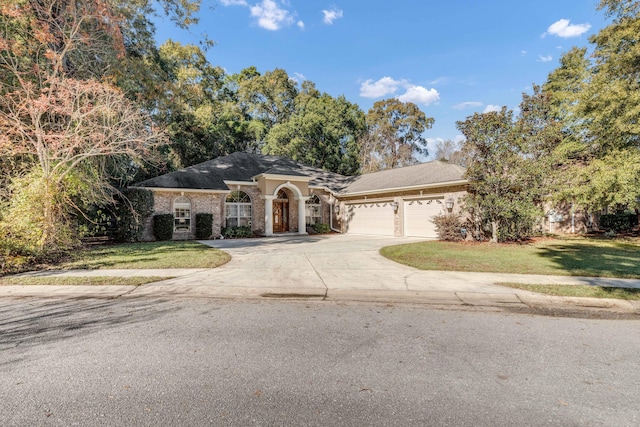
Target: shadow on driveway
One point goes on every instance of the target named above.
(262, 241)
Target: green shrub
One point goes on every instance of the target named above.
(163, 226)
(321, 228)
(134, 207)
(237, 232)
(619, 222)
(204, 225)
(448, 227)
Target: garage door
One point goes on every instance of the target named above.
(370, 218)
(418, 215)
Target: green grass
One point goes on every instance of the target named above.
(184, 254)
(563, 256)
(79, 281)
(579, 291)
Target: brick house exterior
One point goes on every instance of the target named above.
(275, 195)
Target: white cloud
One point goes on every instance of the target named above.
(459, 138)
(523, 52)
(490, 108)
(298, 77)
(388, 86)
(547, 58)
(331, 15)
(468, 104)
(563, 28)
(419, 95)
(384, 86)
(233, 2)
(440, 80)
(271, 16)
(300, 25)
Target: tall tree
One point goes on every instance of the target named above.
(83, 135)
(450, 151)
(268, 98)
(610, 101)
(323, 132)
(394, 135)
(565, 86)
(490, 172)
(191, 104)
(597, 99)
(71, 132)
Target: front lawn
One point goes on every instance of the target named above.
(184, 254)
(563, 256)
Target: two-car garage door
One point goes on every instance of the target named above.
(378, 218)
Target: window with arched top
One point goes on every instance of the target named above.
(238, 209)
(282, 195)
(313, 211)
(182, 214)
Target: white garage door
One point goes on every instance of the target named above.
(370, 218)
(418, 215)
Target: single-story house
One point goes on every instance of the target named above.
(275, 195)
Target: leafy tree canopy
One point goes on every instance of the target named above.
(394, 135)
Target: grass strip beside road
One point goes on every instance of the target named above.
(564, 256)
(148, 255)
(582, 291)
(79, 281)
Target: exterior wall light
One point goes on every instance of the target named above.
(449, 203)
(394, 206)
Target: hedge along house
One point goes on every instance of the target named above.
(275, 195)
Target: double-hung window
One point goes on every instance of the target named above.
(313, 211)
(238, 209)
(182, 214)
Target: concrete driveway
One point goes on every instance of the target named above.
(350, 263)
(334, 267)
(353, 262)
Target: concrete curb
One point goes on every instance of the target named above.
(519, 300)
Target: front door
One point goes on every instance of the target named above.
(280, 216)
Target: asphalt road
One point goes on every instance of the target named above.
(213, 362)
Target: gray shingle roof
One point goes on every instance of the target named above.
(243, 167)
(409, 176)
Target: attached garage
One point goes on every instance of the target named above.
(370, 218)
(418, 215)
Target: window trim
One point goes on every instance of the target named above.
(182, 203)
(308, 205)
(238, 205)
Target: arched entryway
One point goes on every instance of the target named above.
(281, 212)
(288, 203)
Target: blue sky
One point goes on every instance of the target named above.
(450, 57)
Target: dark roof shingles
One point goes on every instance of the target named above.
(243, 167)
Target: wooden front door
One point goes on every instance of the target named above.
(280, 216)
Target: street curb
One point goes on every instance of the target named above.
(378, 295)
(519, 300)
(549, 301)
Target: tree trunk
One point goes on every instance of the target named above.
(494, 231)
